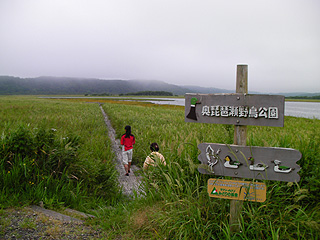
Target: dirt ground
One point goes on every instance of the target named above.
(28, 223)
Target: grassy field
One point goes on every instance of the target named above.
(176, 204)
(56, 152)
(179, 206)
(302, 100)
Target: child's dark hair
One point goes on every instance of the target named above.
(154, 147)
(128, 131)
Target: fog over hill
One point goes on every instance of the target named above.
(62, 85)
(197, 89)
(47, 85)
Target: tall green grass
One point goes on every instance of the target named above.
(55, 152)
(176, 204)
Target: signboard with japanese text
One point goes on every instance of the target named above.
(249, 162)
(235, 109)
(237, 190)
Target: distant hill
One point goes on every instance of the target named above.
(80, 86)
(61, 85)
(205, 90)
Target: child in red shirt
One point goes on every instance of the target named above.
(127, 142)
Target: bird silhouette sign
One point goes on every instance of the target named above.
(235, 109)
(263, 163)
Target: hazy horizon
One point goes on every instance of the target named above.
(179, 85)
(177, 42)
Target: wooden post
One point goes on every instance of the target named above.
(240, 138)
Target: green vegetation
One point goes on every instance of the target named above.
(101, 94)
(54, 152)
(175, 204)
(302, 100)
(305, 97)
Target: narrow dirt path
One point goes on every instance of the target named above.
(131, 183)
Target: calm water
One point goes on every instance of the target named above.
(303, 109)
(295, 109)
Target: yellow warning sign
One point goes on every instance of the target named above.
(237, 190)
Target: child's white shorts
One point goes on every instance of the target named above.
(127, 156)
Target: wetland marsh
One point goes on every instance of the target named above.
(176, 204)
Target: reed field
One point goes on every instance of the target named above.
(54, 152)
(177, 206)
(74, 168)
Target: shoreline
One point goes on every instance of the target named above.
(303, 100)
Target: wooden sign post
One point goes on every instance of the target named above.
(240, 138)
(238, 160)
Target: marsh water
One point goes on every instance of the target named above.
(295, 109)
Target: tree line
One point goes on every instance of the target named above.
(304, 97)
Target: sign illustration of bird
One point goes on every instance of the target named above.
(229, 163)
(281, 169)
(256, 166)
(211, 157)
(192, 113)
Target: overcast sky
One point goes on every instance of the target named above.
(183, 42)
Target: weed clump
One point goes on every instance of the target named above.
(37, 165)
